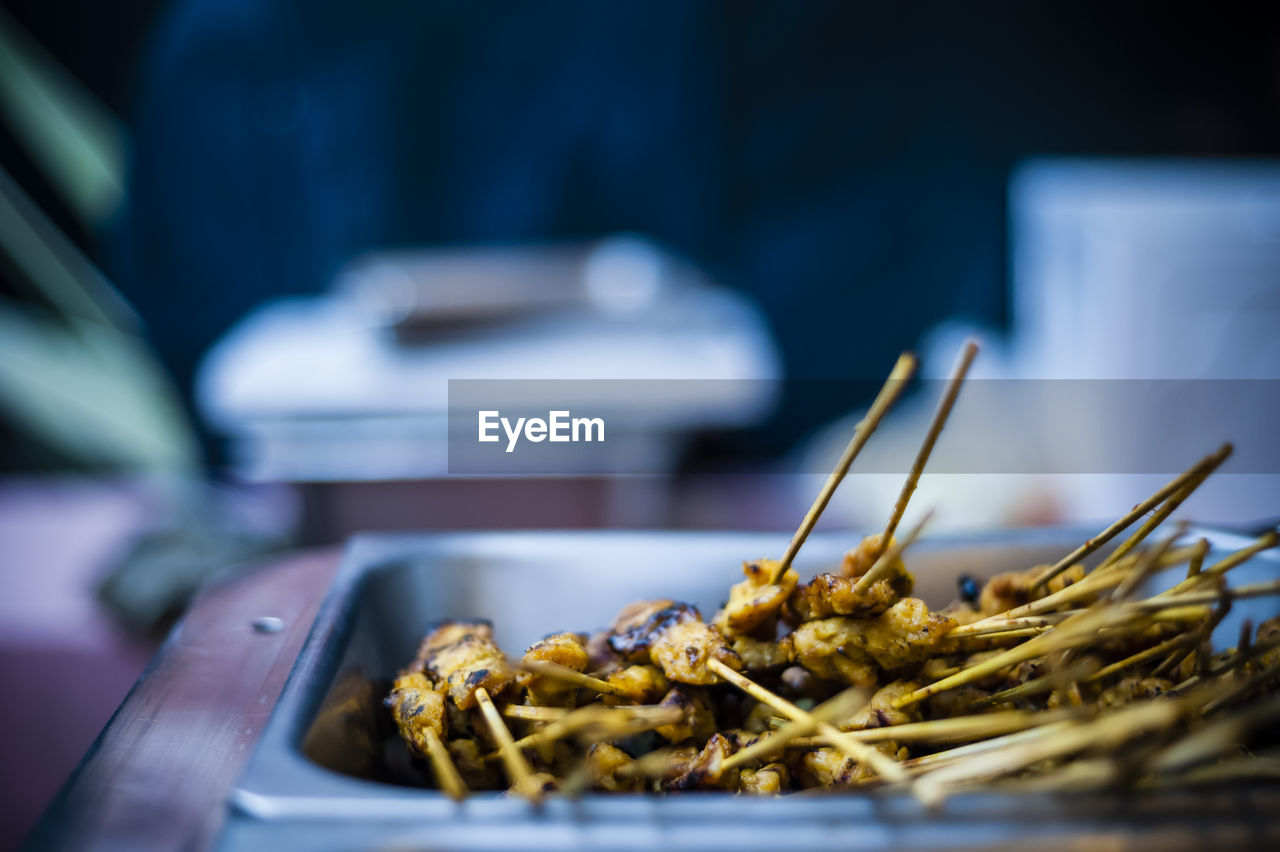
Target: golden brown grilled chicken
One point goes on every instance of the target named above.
(704, 771)
(763, 654)
(860, 559)
(673, 637)
(831, 594)
(478, 773)
(830, 648)
(769, 780)
(644, 684)
(462, 654)
(698, 720)
(904, 634)
(828, 767)
(1132, 689)
(603, 763)
(880, 711)
(851, 649)
(638, 625)
(416, 707)
(755, 602)
(564, 649)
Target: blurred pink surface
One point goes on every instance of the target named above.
(65, 665)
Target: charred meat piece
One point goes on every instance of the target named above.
(860, 560)
(704, 771)
(564, 649)
(831, 594)
(768, 780)
(462, 655)
(762, 654)
(699, 720)
(828, 767)
(880, 712)
(839, 647)
(1133, 688)
(639, 624)
(417, 707)
(755, 602)
(831, 648)
(603, 763)
(644, 684)
(905, 634)
(683, 649)
(673, 637)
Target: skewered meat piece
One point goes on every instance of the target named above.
(705, 772)
(674, 637)
(860, 560)
(829, 767)
(639, 624)
(416, 707)
(603, 763)
(1133, 688)
(768, 780)
(880, 712)
(468, 757)
(905, 633)
(564, 649)
(831, 594)
(762, 654)
(901, 636)
(831, 648)
(754, 603)
(699, 719)
(463, 655)
(1014, 588)
(643, 684)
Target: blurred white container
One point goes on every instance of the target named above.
(1126, 269)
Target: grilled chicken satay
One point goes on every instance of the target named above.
(417, 707)
(462, 655)
(603, 763)
(755, 603)
(643, 684)
(829, 767)
(769, 780)
(763, 654)
(564, 649)
(852, 649)
(698, 721)
(673, 637)
(705, 771)
(1010, 589)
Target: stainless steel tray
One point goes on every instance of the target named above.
(322, 779)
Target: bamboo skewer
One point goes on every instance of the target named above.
(611, 721)
(446, 773)
(555, 670)
(1197, 559)
(1035, 686)
(1136, 576)
(1207, 463)
(882, 764)
(1104, 732)
(534, 713)
(841, 706)
(940, 415)
(884, 561)
(957, 729)
(1142, 656)
(889, 393)
(517, 767)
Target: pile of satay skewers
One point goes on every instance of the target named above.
(1059, 677)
